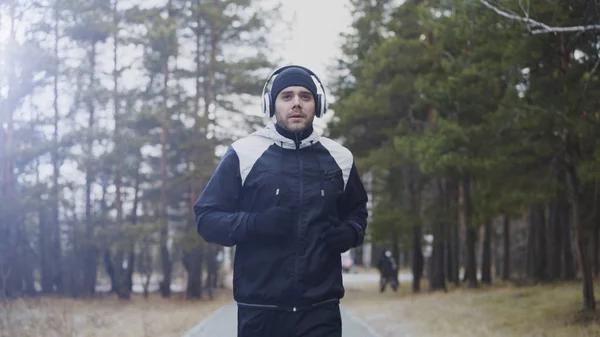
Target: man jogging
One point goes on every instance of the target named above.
(291, 202)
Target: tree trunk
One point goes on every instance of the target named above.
(596, 245)
(50, 248)
(134, 219)
(596, 228)
(486, 259)
(129, 273)
(536, 244)
(125, 258)
(541, 254)
(10, 224)
(165, 285)
(471, 238)
(497, 252)
(120, 272)
(192, 261)
(89, 248)
(556, 240)
(456, 257)
(122, 284)
(452, 233)
(566, 224)
(449, 253)
(417, 262)
(563, 232)
(146, 265)
(211, 269)
(417, 250)
(109, 268)
(506, 248)
(437, 277)
(582, 234)
(166, 263)
(395, 245)
(192, 256)
(531, 235)
(47, 267)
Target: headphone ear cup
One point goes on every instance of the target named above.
(266, 103)
(318, 105)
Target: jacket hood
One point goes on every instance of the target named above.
(271, 133)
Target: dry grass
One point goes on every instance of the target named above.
(106, 317)
(549, 311)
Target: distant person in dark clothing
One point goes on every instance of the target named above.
(388, 270)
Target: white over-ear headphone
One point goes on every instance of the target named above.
(320, 100)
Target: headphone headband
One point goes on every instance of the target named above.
(321, 101)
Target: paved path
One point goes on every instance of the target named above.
(223, 323)
(372, 278)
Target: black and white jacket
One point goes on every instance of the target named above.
(315, 174)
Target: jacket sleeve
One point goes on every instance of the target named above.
(353, 205)
(217, 217)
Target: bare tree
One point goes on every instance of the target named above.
(540, 27)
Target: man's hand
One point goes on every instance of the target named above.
(276, 221)
(340, 236)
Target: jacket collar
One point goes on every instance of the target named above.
(296, 137)
(271, 132)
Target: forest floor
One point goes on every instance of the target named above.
(106, 316)
(491, 311)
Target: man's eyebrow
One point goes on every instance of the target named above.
(302, 91)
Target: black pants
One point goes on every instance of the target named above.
(391, 279)
(322, 321)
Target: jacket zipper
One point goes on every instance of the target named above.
(257, 305)
(272, 306)
(299, 223)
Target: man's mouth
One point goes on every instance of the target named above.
(296, 116)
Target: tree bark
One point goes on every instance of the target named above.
(486, 259)
(90, 254)
(506, 248)
(556, 240)
(596, 246)
(471, 238)
(192, 261)
(50, 248)
(437, 277)
(417, 250)
(541, 254)
(452, 241)
(596, 228)
(566, 223)
(167, 266)
(582, 234)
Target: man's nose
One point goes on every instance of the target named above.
(296, 100)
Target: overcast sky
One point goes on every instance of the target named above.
(315, 41)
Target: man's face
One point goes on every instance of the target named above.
(295, 108)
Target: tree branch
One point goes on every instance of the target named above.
(543, 27)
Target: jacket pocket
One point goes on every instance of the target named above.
(269, 188)
(332, 183)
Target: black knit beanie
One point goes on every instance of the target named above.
(292, 77)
